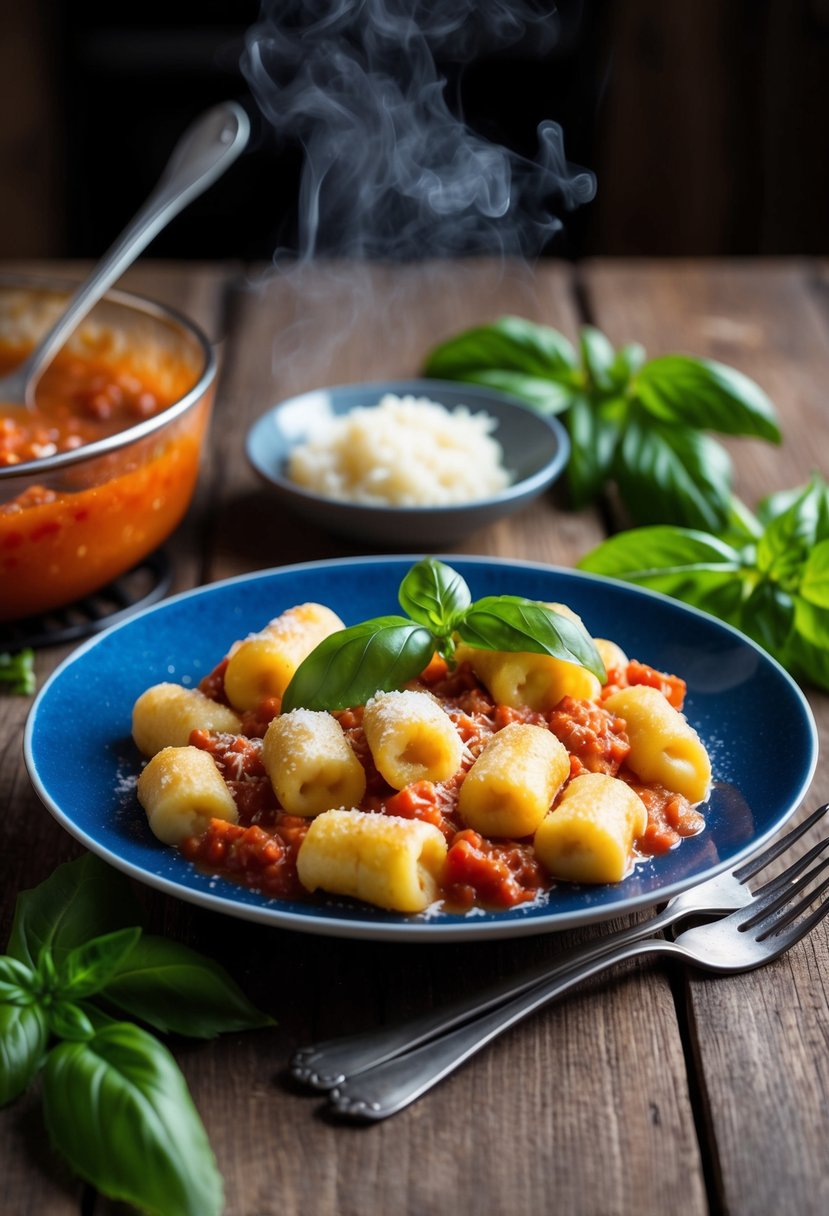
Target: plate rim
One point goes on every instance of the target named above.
(420, 929)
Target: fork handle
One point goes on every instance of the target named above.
(327, 1064)
(388, 1088)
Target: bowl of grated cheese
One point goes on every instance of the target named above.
(408, 461)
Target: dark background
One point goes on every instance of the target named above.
(703, 120)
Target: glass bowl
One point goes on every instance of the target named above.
(72, 521)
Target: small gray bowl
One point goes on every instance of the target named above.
(536, 449)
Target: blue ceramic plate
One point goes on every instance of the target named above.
(753, 719)
(536, 449)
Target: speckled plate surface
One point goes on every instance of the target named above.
(752, 717)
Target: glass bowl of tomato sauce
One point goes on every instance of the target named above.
(103, 468)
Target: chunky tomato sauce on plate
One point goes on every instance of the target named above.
(261, 849)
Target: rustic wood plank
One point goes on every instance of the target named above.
(758, 1038)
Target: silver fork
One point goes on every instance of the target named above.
(328, 1064)
(755, 934)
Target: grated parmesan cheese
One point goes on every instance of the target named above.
(403, 452)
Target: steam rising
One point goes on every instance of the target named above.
(389, 170)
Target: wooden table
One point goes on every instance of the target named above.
(652, 1091)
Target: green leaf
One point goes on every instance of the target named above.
(511, 344)
(691, 566)
(626, 363)
(174, 989)
(350, 666)
(673, 475)
(546, 396)
(87, 968)
(784, 547)
(511, 623)
(816, 490)
(706, 395)
(19, 984)
(594, 433)
(17, 673)
(118, 1109)
(814, 583)
(80, 900)
(641, 553)
(23, 1037)
(434, 595)
(807, 651)
(69, 1021)
(598, 357)
(768, 616)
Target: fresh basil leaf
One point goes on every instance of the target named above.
(742, 527)
(19, 984)
(672, 474)
(69, 1021)
(350, 666)
(814, 582)
(17, 673)
(23, 1037)
(79, 900)
(783, 549)
(807, 652)
(707, 395)
(511, 344)
(174, 989)
(511, 623)
(117, 1107)
(768, 615)
(598, 357)
(640, 553)
(594, 430)
(688, 565)
(545, 396)
(87, 968)
(775, 505)
(434, 595)
(626, 363)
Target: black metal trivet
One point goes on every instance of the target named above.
(147, 582)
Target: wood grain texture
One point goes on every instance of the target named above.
(588, 1106)
(760, 1039)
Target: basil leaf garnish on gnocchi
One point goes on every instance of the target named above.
(511, 623)
(351, 665)
(434, 595)
(385, 653)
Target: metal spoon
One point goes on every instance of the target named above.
(202, 154)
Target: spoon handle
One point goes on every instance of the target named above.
(202, 154)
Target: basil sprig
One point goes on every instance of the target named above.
(767, 574)
(114, 1101)
(386, 652)
(641, 425)
(17, 672)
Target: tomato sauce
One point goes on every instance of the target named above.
(260, 851)
(68, 532)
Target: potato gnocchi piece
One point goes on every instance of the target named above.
(411, 738)
(512, 784)
(664, 747)
(181, 789)
(261, 665)
(310, 763)
(589, 836)
(386, 861)
(166, 714)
